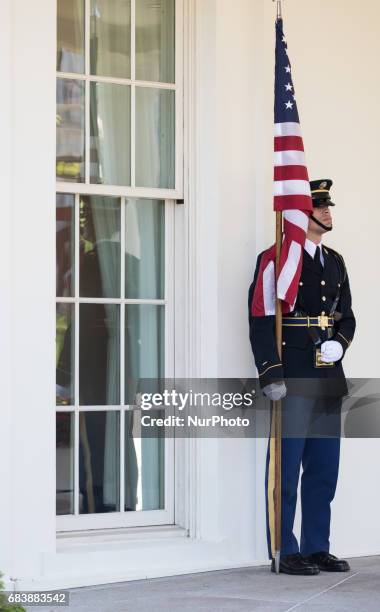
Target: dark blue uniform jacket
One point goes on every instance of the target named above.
(316, 294)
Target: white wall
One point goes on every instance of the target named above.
(5, 280)
(334, 49)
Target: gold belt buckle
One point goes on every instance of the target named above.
(323, 321)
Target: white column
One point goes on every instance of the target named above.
(5, 283)
(27, 115)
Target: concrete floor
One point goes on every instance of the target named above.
(237, 590)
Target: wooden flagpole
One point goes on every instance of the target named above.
(276, 429)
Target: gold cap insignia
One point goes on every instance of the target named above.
(323, 185)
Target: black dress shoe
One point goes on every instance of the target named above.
(328, 563)
(297, 565)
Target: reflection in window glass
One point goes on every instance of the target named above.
(144, 249)
(99, 271)
(99, 459)
(64, 463)
(70, 130)
(64, 354)
(70, 36)
(144, 345)
(144, 466)
(155, 123)
(110, 112)
(64, 245)
(110, 49)
(99, 354)
(155, 26)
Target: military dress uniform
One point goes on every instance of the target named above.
(314, 390)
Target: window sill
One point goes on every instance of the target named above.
(111, 538)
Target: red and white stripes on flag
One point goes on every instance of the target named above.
(291, 196)
(291, 180)
(264, 295)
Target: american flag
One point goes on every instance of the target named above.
(291, 193)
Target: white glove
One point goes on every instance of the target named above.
(275, 391)
(331, 350)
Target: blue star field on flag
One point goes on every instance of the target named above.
(285, 106)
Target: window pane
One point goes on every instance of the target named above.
(144, 345)
(65, 463)
(144, 467)
(99, 270)
(155, 26)
(111, 38)
(99, 462)
(70, 36)
(110, 154)
(99, 354)
(145, 249)
(155, 122)
(70, 130)
(65, 354)
(65, 245)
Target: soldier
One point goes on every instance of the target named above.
(310, 378)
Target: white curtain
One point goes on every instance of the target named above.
(145, 235)
(110, 130)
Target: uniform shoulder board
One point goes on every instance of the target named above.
(340, 262)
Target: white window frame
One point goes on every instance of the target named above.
(166, 516)
(132, 191)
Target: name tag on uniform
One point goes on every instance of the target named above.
(318, 363)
